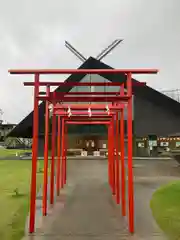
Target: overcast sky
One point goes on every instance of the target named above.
(32, 35)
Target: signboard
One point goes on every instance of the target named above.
(96, 153)
(177, 144)
(164, 144)
(141, 145)
(84, 153)
(104, 145)
(153, 143)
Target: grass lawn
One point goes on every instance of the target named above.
(11, 152)
(14, 174)
(165, 205)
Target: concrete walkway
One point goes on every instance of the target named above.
(86, 209)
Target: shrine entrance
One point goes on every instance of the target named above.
(104, 110)
(90, 144)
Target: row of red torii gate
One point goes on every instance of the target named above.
(86, 109)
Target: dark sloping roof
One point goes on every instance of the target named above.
(174, 134)
(24, 128)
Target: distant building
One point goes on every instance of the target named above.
(5, 128)
(154, 114)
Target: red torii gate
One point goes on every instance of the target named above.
(108, 118)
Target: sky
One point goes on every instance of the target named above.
(32, 35)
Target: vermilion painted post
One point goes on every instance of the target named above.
(65, 154)
(130, 166)
(113, 157)
(58, 156)
(46, 148)
(109, 154)
(34, 156)
(53, 141)
(62, 153)
(117, 162)
(123, 182)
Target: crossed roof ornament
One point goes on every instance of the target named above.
(100, 56)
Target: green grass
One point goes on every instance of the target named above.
(165, 205)
(12, 152)
(14, 176)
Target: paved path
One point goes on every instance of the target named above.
(86, 209)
